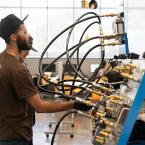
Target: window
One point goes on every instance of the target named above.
(47, 18)
(51, 68)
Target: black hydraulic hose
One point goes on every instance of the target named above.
(83, 81)
(69, 61)
(79, 80)
(58, 124)
(79, 67)
(40, 60)
(93, 76)
(67, 42)
(60, 34)
(42, 89)
(58, 59)
(76, 71)
(56, 84)
(97, 70)
(84, 59)
(86, 56)
(81, 64)
(82, 89)
(64, 54)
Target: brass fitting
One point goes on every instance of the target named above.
(100, 140)
(103, 133)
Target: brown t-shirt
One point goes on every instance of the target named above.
(16, 85)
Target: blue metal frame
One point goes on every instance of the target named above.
(126, 43)
(133, 113)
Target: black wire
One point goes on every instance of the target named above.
(40, 60)
(79, 66)
(67, 52)
(80, 44)
(61, 56)
(85, 58)
(76, 71)
(59, 122)
(49, 91)
(83, 81)
(67, 44)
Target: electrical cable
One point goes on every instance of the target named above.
(65, 115)
(79, 67)
(42, 55)
(67, 44)
(58, 59)
(78, 72)
(59, 122)
(40, 61)
(85, 58)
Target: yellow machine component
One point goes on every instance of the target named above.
(103, 133)
(100, 111)
(67, 88)
(95, 96)
(107, 130)
(128, 76)
(100, 114)
(99, 93)
(100, 137)
(85, 4)
(115, 97)
(110, 109)
(103, 79)
(109, 123)
(105, 89)
(116, 101)
(100, 140)
(131, 65)
(119, 69)
(44, 82)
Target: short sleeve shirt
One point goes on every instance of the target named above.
(16, 86)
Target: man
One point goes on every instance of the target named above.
(18, 94)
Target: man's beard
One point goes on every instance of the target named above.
(23, 44)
